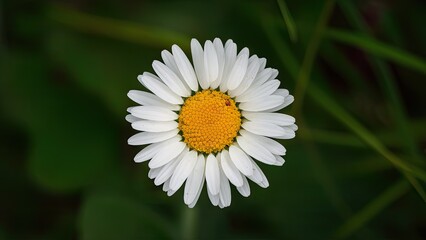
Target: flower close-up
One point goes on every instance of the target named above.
(210, 121)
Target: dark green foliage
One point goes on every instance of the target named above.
(356, 168)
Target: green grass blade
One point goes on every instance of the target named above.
(117, 29)
(340, 114)
(333, 108)
(368, 165)
(349, 140)
(390, 89)
(388, 83)
(338, 61)
(353, 16)
(285, 55)
(378, 48)
(321, 171)
(417, 186)
(310, 55)
(373, 208)
(396, 107)
(332, 138)
(288, 19)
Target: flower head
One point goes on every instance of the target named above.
(208, 122)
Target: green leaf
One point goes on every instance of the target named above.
(378, 48)
(113, 217)
(288, 19)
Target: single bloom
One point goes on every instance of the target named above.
(210, 121)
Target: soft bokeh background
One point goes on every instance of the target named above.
(356, 168)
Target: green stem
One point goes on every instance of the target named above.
(189, 223)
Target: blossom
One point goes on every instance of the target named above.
(210, 121)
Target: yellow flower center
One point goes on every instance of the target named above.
(209, 121)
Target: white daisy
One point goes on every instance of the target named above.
(208, 122)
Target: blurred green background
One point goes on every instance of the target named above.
(356, 168)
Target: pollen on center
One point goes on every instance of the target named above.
(209, 121)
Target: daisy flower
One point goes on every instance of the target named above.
(210, 121)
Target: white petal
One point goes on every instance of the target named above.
(194, 181)
(185, 167)
(154, 113)
(239, 70)
(262, 76)
(252, 69)
(262, 91)
(185, 67)
(148, 137)
(273, 146)
(131, 119)
(279, 119)
(255, 150)
(211, 63)
(262, 104)
(280, 161)
(274, 74)
(168, 169)
(225, 191)
(153, 172)
(262, 63)
(230, 170)
(149, 99)
(171, 192)
(149, 151)
(192, 204)
(164, 157)
(171, 79)
(170, 62)
(220, 51)
(288, 133)
(288, 99)
(258, 176)
(293, 127)
(244, 190)
(160, 89)
(240, 159)
(264, 128)
(166, 187)
(282, 92)
(214, 199)
(154, 126)
(198, 60)
(230, 57)
(212, 174)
